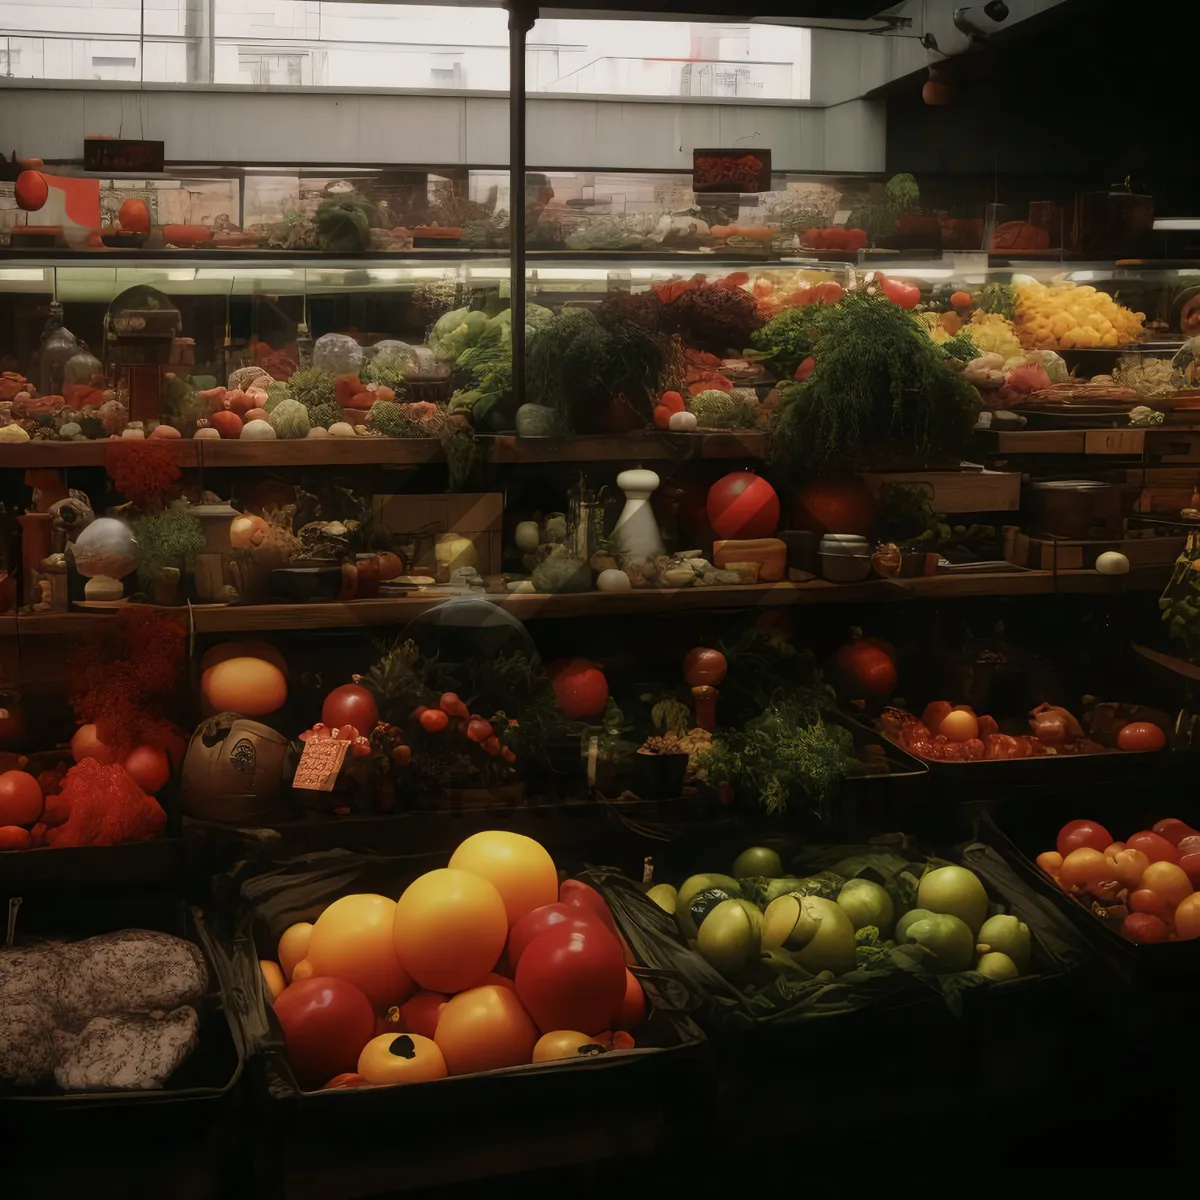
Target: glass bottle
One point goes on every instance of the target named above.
(57, 346)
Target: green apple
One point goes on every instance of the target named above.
(1006, 934)
(731, 935)
(954, 891)
(950, 940)
(866, 903)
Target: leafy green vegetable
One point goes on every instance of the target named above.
(344, 224)
(167, 538)
(785, 341)
(879, 388)
(783, 756)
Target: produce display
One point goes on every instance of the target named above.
(1143, 887)
(954, 733)
(867, 915)
(487, 963)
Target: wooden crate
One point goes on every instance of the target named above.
(959, 491)
(1049, 553)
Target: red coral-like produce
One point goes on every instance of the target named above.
(105, 807)
(123, 677)
(716, 317)
(142, 470)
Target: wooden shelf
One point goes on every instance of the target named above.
(217, 618)
(361, 451)
(1037, 583)
(632, 447)
(319, 452)
(83, 454)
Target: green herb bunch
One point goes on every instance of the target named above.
(167, 538)
(783, 757)
(879, 389)
(785, 341)
(566, 368)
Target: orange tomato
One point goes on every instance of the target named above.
(273, 979)
(353, 940)
(1167, 881)
(293, 946)
(1128, 866)
(1187, 917)
(450, 929)
(1051, 862)
(485, 1028)
(1085, 866)
(516, 866)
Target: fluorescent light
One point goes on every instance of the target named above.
(1177, 223)
(579, 273)
(30, 273)
(918, 273)
(1081, 276)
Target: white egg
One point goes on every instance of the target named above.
(1112, 562)
(613, 580)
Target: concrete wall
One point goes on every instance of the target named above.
(846, 66)
(297, 126)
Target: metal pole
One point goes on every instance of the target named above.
(521, 16)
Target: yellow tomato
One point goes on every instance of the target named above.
(401, 1058)
(564, 1043)
(1187, 918)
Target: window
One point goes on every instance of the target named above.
(336, 43)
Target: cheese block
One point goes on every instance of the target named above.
(769, 553)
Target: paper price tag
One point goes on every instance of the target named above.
(319, 764)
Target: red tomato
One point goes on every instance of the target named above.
(326, 1023)
(347, 1079)
(1083, 833)
(580, 689)
(805, 369)
(827, 292)
(936, 711)
(1146, 901)
(1190, 862)
(1155, 848)
(572, 979)
(864, 672)
(1144, 927)
(541, 920)
(350, 705)
(434, 720)
(582, 895)
(20, 798)
(479, 730)
(1175, 830)
(703, 667)
(834, 506)
(1141, 735)
(450, 703)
